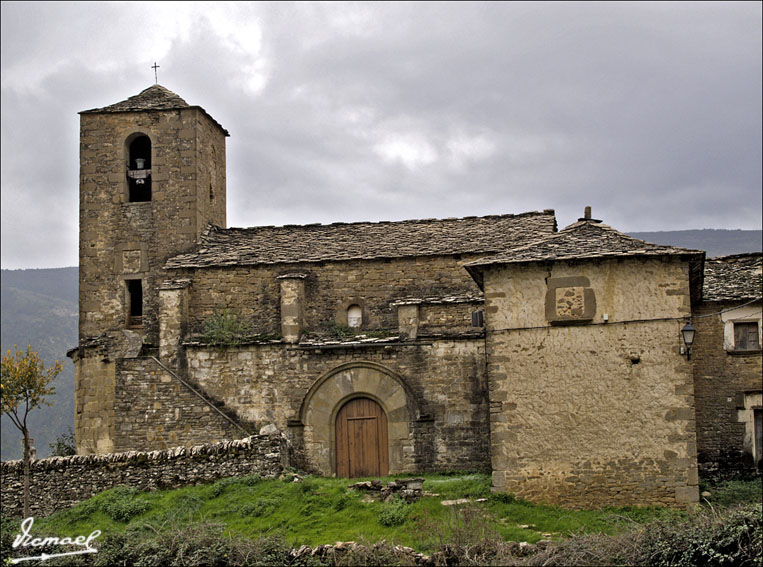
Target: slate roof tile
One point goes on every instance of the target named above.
(363, 240)
(589, 239)
(736, 277)
(155, 97)
(581, 240)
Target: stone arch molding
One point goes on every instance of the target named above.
(343, 383)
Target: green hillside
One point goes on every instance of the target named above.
(458, 521)
(714, 242)
(39, 307)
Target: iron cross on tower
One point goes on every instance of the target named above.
(156, 77)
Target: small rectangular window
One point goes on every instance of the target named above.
(746, 336)
(134, 303)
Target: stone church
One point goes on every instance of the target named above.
(552, 358)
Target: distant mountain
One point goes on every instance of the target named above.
(39, 307)
(716, 242)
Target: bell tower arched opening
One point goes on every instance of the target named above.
(139, 168)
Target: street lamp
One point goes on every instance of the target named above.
(688, 333)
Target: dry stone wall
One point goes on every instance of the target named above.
(60, 482)
(721, 380)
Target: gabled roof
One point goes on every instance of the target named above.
(363, 240)
(155, 97)
(736, 277)
(585, 239)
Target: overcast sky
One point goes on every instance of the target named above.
(649, 112)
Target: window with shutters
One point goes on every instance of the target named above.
(746, 336)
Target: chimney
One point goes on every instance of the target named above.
(587, 216)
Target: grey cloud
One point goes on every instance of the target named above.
(649, 113)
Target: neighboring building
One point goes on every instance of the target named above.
(727, 366)
(589, 399)
(372, 345)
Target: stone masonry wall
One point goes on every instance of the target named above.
(446, 381)
(447, 318)
(58, 483)
(94, 380)
(253, 292)
(157, 411)
(594, 413)
(721, 379)
(131, 240)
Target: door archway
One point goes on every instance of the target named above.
(361, 439)
(328, 395)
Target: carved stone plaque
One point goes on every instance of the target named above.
(131, 261)
(569, 300)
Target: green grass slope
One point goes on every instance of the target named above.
(323, 510)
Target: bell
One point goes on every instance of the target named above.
(140, 163)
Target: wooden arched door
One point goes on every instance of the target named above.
(361, 439)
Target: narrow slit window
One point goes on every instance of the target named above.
(139, 170)
(134, 303)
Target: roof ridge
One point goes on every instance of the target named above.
(737, 255)
(546, 247)
(546, 212)
(607, 227)
(363, 240)
(164, 97)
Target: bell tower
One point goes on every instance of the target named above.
(152, 176)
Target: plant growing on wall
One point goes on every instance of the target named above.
(341, 331)
(64, 445)
(25, 385)
(225, 329)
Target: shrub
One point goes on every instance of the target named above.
(121, 503)
(380, 554)
(252, 479)
(393, 513)
(218, 488)
(733, 492)
(343, 501)
(260, 507)
(465, 536)
(341, 331)
(734, 537)
(502, 497)
(64, 445)
(225, 329)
